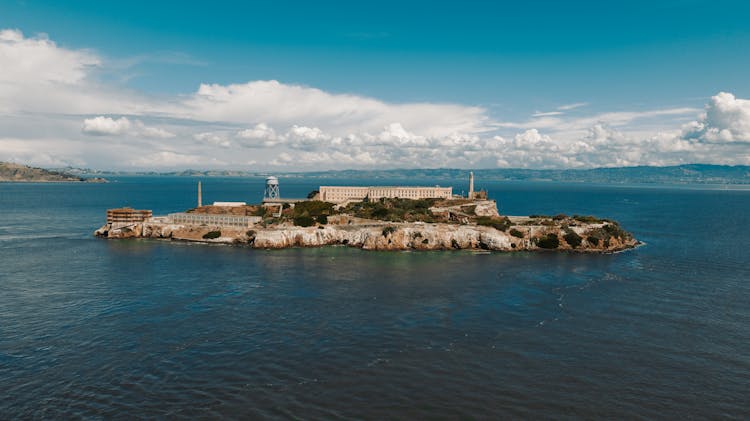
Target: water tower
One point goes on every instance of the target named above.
(272, 189)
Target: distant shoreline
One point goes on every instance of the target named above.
(703, 174)
(17, 173)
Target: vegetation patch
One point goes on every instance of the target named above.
(397, 210)
(304, 221)
(388, 230)
(604, 233)
(313, 208)
(211, 235)
(587, 219)
(573, 239)
(259, 211)
(550, 241)
(469, 210)
(614, 229)
(516, 233)
(499, 223)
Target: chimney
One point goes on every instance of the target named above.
(200, 195)
(471, 185)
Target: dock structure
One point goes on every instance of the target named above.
(127, 215)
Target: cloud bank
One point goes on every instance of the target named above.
(56, 109)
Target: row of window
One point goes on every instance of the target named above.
(239, 221)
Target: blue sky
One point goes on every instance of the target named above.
(537, 72)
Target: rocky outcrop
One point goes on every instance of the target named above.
(524, 234)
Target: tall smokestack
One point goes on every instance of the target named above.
(200, 195)
(471, 185)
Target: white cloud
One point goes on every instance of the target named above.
(547, 113)
(727, 119)
(213, 138)
(573, 106)
(172, 159)
(154, 132)
(102, 126)
(107, 126)
(39, 60)
(260, 136)
(47, 90)
(283, 105)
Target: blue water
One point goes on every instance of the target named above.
(144, 328)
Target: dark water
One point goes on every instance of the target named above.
(130, 329)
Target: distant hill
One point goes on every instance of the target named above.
(679, 174)
(10, 172)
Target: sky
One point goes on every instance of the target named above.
(286, 85)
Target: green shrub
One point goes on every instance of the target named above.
(312, 194)
(313, 208)
(322, 219)
(469, 210)
(573, 239)
(388, 230)
(392, 209)
(304, 221)
(549, 242)
(587, 219)
(613, 229)
(560, 217)
(516, 233)
(500, 224)
(250, 233)
(211, 235)
(592, 240)
(380, 212)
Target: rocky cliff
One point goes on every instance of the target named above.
(522, 233)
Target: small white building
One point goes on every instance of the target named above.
(229, 204)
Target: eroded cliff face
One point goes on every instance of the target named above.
(376, 235)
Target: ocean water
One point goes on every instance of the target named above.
(93, 328)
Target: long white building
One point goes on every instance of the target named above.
(338, 194)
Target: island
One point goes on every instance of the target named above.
(18, 173)
(373, 224)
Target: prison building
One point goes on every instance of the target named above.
(338, 194)
(213, 220)
(127, 215)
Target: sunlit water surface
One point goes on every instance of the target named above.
(147, 328)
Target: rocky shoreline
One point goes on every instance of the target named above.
(522, 234)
